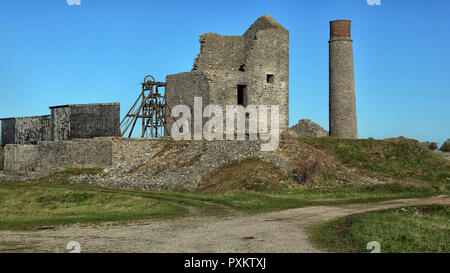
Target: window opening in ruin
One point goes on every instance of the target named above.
(270, 78)
(242, 95)
(45, 123)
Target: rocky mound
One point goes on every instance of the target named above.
(306, 128)
(395, 157)
(193, 165)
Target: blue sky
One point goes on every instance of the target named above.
(52, 53)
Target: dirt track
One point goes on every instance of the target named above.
(282, 231)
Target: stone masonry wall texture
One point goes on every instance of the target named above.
(51, 156)
(21, 159)
(66, 122)
(26, 130)
(224, 62)
(1, 158)
(8, 131)
(60, 119)
(30, 130)
(94, 120)
(86, 153)
(126, 149)
(342, 113)
(175, 165)
(85, 121)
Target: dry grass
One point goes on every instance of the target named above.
(315, 166)
(170, 148)
(251, 174)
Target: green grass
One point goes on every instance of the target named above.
(286, 199)
(401, 230)
(400, 158)
(25, 205)
(251, 187)
(52, 200)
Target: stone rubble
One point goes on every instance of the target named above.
(307, 128)
(179, 165)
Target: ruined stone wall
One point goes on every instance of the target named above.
(126, 149)
(258, 60)
(46, 129)
(94, 120)
(51, 156)
(86, 153)
(26, 130)
(65, 122)
(21, 159)
(183, 87)
(8, 131)
(85, 121)
(219, 52)
(269, 55)
(178, 165)
(60, 120)
(30, 130)
(2, 155)
(223, 86)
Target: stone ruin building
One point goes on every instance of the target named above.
(61, 140)
(25, 130)
(252, 69)
(65, 122)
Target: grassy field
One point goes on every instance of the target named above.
(25, 205)
(398, 157)
(52, 200)
(249, 186)
(402, 230)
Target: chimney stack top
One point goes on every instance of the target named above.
(340, 28)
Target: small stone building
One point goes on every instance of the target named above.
(252, 69)
(85, 121)
(25, 130)
(66, 122)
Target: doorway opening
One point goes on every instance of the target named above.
(242, 95)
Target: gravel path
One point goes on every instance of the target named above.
(282, 231)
